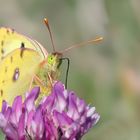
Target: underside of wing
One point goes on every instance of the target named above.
(16, 72)
(11, 40)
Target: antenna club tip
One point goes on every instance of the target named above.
(46, 20)
(99, 38)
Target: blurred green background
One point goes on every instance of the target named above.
(106, 75)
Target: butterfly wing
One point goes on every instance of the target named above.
(16, 72)
(11, 40)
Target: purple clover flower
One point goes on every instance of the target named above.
(59, 116)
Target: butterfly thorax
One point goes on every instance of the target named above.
(49, 71)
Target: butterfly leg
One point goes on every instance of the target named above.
(35, 78)
(50, 79)
(31, 83)
(44, 87)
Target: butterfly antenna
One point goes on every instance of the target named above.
(83, 44)
(49, 29)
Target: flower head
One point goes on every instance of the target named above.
(59, 116)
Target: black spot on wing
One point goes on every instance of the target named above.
(6, 68)
(7, 31)
(2, 50)
(11, 59)
(16, 74)
(1, 92)
(22, 47)
(2, 43)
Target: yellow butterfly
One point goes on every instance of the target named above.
(23, 61)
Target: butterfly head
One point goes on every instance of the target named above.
(54, 61)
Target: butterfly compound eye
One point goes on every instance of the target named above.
(51, 59)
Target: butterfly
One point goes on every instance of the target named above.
(24, 62)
